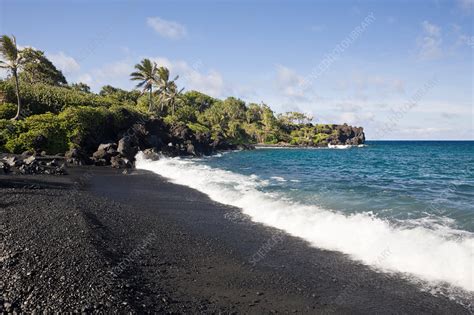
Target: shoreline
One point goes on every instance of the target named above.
(172, 249)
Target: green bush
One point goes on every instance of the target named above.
(84, 127)
(87, 127)
(38, 133)
(84, 124)
(197, 127)
(186, 114)
(295, 141)
(41, 98)
(7, 89)
(124, 116)
(320, 138)
(8, 130)
(323, 128)
(7, 110)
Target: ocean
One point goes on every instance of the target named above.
(404, 207)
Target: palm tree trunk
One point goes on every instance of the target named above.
(17, 85)
(151, 99)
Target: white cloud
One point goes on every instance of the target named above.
(20, 47)
(169, 29)
(356, 118)
(430, 42)
(465, 40)
(115, 74)
(193, 78)
(85, 78)
(65, 63)
(376, 83)
(431, 29)
(113, 70)
(211, 82)
(290, 83)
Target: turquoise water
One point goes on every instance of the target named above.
(404, 207)
(396, 180)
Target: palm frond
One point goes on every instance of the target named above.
(8, 48)
(163, 73)
(137, 76)
(140, 84)
(4, 65)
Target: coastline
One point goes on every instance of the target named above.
(291, 146)
(172, 249)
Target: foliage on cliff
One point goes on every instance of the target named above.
(56, 116)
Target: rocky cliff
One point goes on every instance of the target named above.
(347, 135)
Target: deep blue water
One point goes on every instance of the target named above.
(428, 182)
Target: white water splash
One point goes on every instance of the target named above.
(434, 255)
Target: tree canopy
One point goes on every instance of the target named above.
(37, 68)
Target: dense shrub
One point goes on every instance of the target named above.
(38, 133)
(7, 110)
(119, 95)
(7, 89)
(87, 127)
(313, 135)
(125, 116)
(41, 98)
(320, 139)
(196, 127)
(8, 130)
(84, 127)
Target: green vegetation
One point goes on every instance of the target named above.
(41, 98)
(147, 75)
(81, 87)
(7, 110)
(53, 116)
(37, 133)
(12, 61)
(36, 68)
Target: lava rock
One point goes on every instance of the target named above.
(30, 160)
(77, 157)
(151, 154)
(127, 148)
(5, 167)
(120, 162)
(13, 161)
(105, 152)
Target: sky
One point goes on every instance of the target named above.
(401, 69)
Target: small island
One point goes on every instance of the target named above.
(42, 114)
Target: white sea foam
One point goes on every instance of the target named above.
(431, 255)
(339, 146)
(278, 178)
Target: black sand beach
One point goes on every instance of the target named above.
(99, 240)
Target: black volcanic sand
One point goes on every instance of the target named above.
(99, 240)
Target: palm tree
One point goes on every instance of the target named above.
(172, 95)
(12, 61)
(147, 75)
(167, 88)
